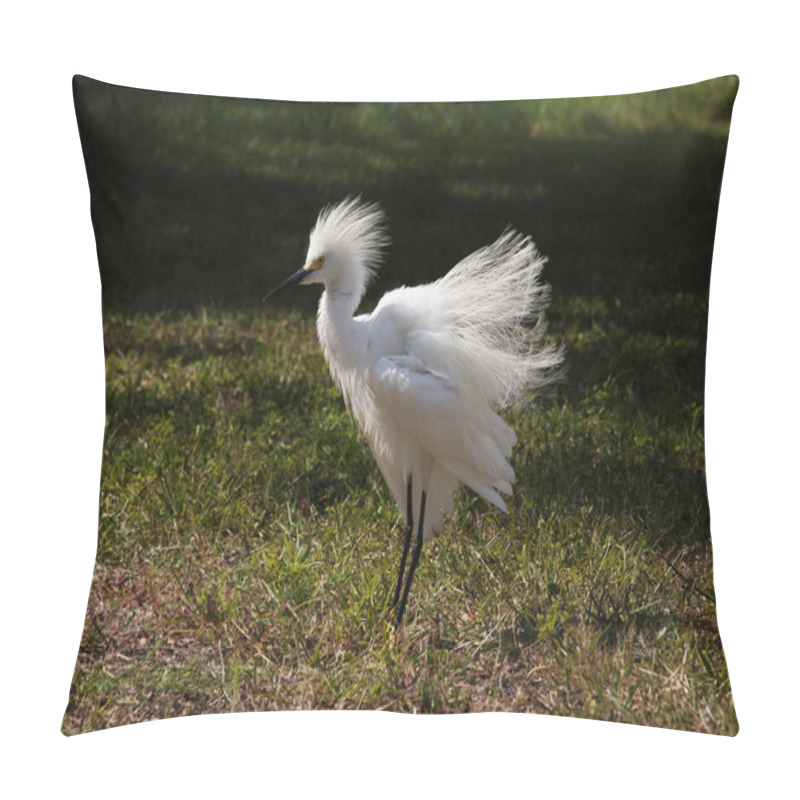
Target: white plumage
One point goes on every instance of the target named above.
(427, 370)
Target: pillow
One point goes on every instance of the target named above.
(248, 545)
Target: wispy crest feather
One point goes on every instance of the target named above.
(355, 231)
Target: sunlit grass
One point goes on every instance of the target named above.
(248, 546)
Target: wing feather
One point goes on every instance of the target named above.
(460, 433)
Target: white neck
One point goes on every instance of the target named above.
(338, 334)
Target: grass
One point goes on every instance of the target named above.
(247, 546)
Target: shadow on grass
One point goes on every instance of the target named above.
(655, 494)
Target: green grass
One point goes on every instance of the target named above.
(247, 545)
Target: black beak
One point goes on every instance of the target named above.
(296, 278)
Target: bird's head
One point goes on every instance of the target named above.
(344, 249)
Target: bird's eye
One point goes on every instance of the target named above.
(315, 263)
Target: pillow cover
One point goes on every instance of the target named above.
(247, 544)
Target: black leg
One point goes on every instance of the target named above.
(413, 566)
(406, 541)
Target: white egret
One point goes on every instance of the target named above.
(426, 371)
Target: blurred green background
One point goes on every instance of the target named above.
(208, 201)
